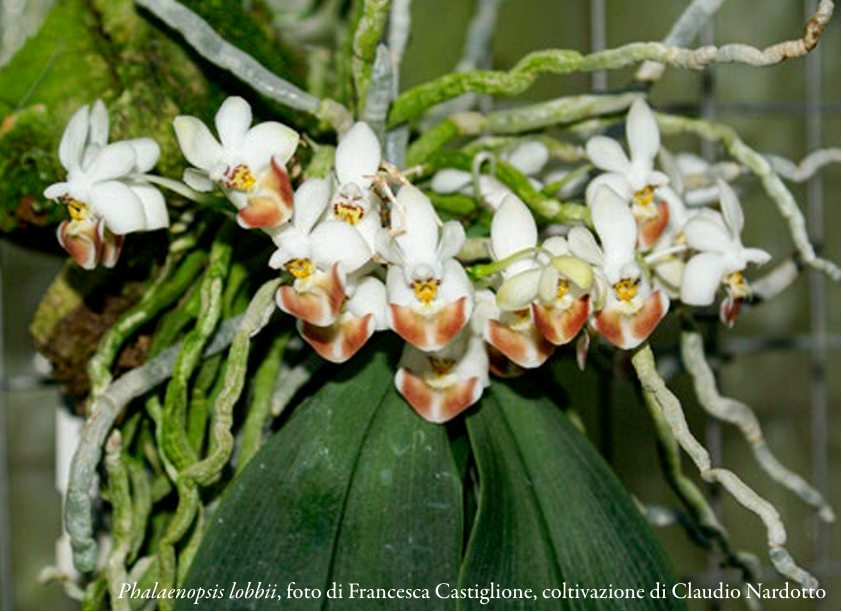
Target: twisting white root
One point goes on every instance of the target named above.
(808, 167)
(739, 414)
(657, 394)
(683, 32)
(107, 407)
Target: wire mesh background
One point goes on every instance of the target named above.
(783, 358)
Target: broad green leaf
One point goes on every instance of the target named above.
(354, 488)
(552, 515)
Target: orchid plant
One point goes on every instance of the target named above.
(397, 279)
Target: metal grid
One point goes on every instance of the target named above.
(814, 107)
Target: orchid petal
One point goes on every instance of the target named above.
(615, 225)
(584, 246)
(266, 141)
(642, 133)
(628, 331)
(706, 234)
(416, 215)
(57, 190)
(485, 308)
(73, 140)
(575, 269)
(397, 290)
(370, 299)
(703, 275)
(309, 202)
(292, 244)
(556, 245)
(232, 121)
(98, 124)
(270, 204)
(616, 182)
(386, 247)
(119, 206)
(335, 241)
(527, 349)
(198, 145)
(519, 290)
(81, 241)
(153, 205)
(455, 283)
(607, 154)
(548, 285)
(730, 308)
(358, 156)
(756, 256)
(114, 161)
(429, 333)
(147, 153)
(529, 157)
(650, 229)
(340, 341)
(437, 405)
(110, 247)
(730, 207)
(474, 362)
(451, 240)
(561, 326)
(319, 301)
(513, 230)
(450, 180)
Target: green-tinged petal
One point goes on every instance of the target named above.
(518, 291)
(575, 269)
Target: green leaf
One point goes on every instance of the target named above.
(552, 515)
(354, 488)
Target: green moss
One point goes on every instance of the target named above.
(28, 163)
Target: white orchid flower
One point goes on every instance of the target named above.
(543, 300)
(430, 295)
(631, 308)
(361, 315)
(357, 161)
(512, 332)
(318, 255)
(248, 163)
(106, 192)
(722, 258)
(633, 177)
(442, 384)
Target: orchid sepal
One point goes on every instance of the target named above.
(317, 299)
